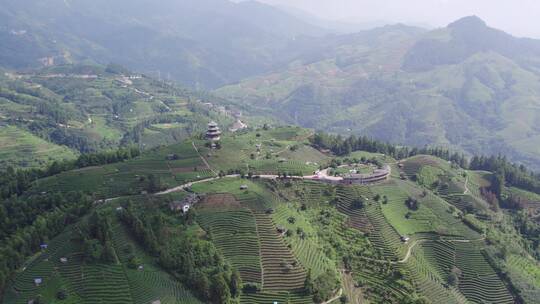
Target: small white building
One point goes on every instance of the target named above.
(63, 260)
(185, 208)
(38, 281)
(186, 204)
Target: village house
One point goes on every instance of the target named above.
(237, 125)
(185, 204)
(405, 239)
(172, 157)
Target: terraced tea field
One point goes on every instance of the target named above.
(89, 283)
(431, 285)
(21, 148)
(303, 239)
(358, 218)
(234, 232)
(525, 273)
(414, 165)
(149, 286)
(281, 269)
(479, 282)
(275, 230)
(130, 177)
(273, 297)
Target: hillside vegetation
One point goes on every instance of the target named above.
(204, 43)
(467, 87)
(258, 232)
(57, 113)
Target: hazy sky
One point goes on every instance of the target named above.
(518, 17)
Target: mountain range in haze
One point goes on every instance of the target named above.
(467, 86)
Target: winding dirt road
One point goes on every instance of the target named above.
(466, 186)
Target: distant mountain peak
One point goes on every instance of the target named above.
(468, 22)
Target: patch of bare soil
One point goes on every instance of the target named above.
(223, 200)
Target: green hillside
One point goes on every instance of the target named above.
(467, 87)
(57, 113)
(24, 149)
(426, 234)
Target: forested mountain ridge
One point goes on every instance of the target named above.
(466, 37)
(58, 112)
(205, 43)
(467, 86)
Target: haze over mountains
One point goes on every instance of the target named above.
(204, 43)
(209, 151)
(468, 86)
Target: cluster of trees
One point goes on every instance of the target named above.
(95, 233)
(72, 138)
(344, 146)
(45, 105)
(412, 203)
(17, 212)
(144, 232)
(136, 133)
(107, 157)
(507, 173)
(453, 276)
(27, 223)
(358, 203)
(193, 260)
(15, 182)
(322, 288)
(54, 112)
(154, 183)
(530, 230)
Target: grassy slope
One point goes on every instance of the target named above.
(21, 148)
